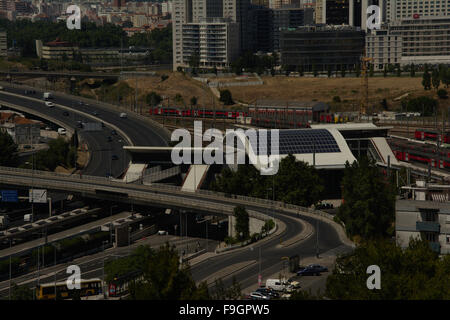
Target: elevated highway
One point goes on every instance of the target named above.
(157, 195)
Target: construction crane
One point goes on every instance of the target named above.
(365, 62)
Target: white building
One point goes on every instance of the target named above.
(407, 9)
(209, 28)
(424, 213)
(415, 40)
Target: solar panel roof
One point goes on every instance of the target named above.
(299, 142)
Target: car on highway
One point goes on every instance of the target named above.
(1, 88)
(95, 113)
(312, 270)
(49, 104)
(123, 115)
(114, 157)
(258, 296)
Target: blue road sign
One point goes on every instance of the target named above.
(9, 196)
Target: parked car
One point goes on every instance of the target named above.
(114, 157)
(49, 104)
(109, 139)
(258, 296)
(66, 113)
(113, 132)
(268, 292)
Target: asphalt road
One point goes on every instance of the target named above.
(271, 252)
(101, 164)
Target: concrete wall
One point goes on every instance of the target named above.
(255, 226)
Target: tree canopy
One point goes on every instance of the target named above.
(296, 182)
(163, 277)
(8, 154)
(368, 201)
(412, 273)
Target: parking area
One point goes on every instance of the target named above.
(307, 281)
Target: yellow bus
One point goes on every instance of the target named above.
(90, 287)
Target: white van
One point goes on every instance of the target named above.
(123, 115)
(275, 284)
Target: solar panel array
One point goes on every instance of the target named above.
(299, 142)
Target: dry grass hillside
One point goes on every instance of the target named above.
(177, 83)
(324, 89)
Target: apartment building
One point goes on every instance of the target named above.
(194, 25)
(417, 40)
(407, 9)
(214, 40)
(423, 212)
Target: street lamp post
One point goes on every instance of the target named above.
(54, 250)
(103, 268)
(10, 272)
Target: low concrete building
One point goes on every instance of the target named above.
(22, 130)
(424, 213)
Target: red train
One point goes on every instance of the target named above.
(411, 157)
(200, 113)
(426, 134)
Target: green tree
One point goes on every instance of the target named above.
(371, 70)
(412, 70)
(436, 79)
(398, 70)
(21, 292)
(442, 94)
(164, 278)
(8, 154)
(415, 272)
(194, 101)
(426, 80)
(358, 70)
(314, 70)
(329, 71)
(423, 104)
(153, 99)
(242, 226)
(369, 201)
(225, 97)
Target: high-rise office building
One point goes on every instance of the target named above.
(346, 12)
